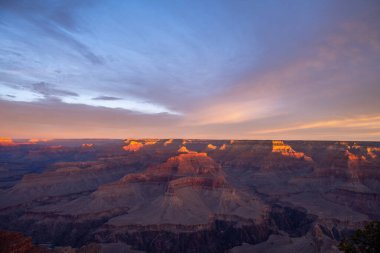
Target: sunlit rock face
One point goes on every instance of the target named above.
(184, 141)
(223, 147)
(354, 163)
(150, 142)
(354, 158)
(212, 147)
(87, 145)
(133, 146)
(37, 140)
(373, 152)
(4, 141)
(286, 150)
(168, 142)
(184, 149)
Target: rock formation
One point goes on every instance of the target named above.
(286, 150)
(14, 242)
(133, 146)
(168, 142)
(150, 142)
(212, 147)
(87, 145)
(223, 147)
(184, 149)
(373, 152)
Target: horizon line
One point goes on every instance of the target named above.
(199, 139)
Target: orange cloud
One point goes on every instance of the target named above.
(359, 122)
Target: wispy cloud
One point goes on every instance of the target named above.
(106, 98)
(48, 90)
(365, 122)
(55, 21)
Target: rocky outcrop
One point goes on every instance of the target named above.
(87, 145)
(211, 147)
(216, 236)
(222, 232)
(133, 146)
(66, 179)
(223, 147)
(168, 142)
(373, 152)
(188, 164)
(14, 242)
(204, 183)
(150, 142)
(183, 149)
(286, 150)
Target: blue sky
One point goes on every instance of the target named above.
(190, 69)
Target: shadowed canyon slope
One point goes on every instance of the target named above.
(152, 195)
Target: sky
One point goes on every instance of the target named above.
(284, 69)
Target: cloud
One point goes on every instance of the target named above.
(43, 92)
(56, 21)
(70, 40)
(106, 98)
(48, 90)
(54, 119)
(361, 123)
(216, 111)
(322, 83)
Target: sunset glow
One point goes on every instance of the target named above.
(190, 69)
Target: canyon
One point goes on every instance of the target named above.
(177, 195)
